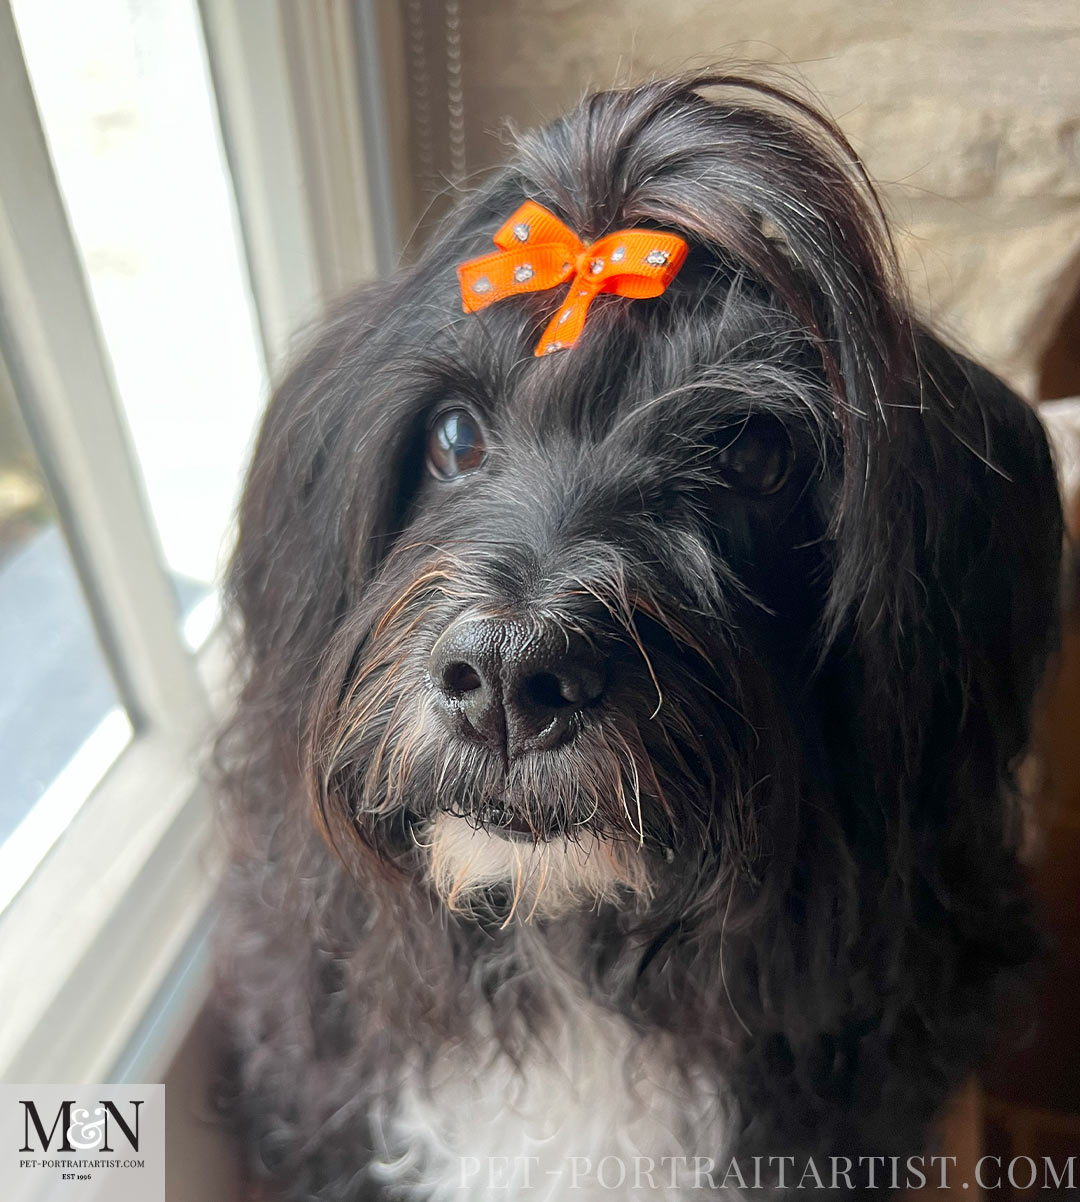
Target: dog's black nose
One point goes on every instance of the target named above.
(516, 683)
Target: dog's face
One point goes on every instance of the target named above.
(589, 642)
(738, 579)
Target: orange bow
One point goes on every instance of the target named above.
(539, 252)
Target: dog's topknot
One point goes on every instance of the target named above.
(755, 178)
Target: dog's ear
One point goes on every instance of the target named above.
(325, 488)
(946, 527)
(948, 539)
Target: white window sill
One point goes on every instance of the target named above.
(104, 950)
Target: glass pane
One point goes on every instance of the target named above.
(125, 98)
(60, 720)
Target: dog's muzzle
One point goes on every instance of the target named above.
(515, 685)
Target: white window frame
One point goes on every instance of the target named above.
(103, 952)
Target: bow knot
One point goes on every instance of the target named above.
(537, 251)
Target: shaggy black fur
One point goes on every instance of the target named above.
(817, 696)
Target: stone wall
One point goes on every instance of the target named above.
(967, 113)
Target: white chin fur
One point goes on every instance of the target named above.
(546, 879)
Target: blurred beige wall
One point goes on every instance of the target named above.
(966, 112)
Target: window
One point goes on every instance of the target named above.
(126, 109)
(128, 113)
(146, 278)
(61, 723)
(109, 702)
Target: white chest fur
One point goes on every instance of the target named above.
(597, 1113)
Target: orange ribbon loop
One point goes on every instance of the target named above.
(538, 252)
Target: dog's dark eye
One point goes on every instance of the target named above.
(455, 444)
(756, 456)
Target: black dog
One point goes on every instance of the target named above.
(622, 784)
